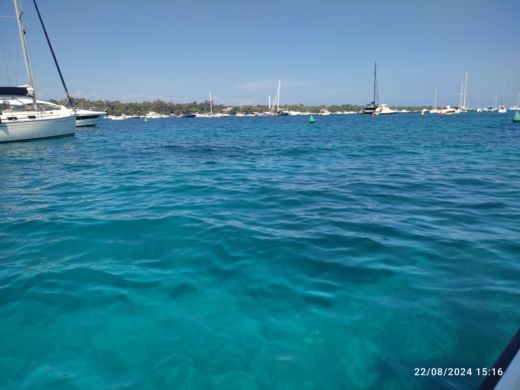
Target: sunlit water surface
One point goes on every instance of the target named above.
(256, 253)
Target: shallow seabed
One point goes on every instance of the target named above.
(255, 253)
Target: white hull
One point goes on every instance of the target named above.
(23, 130)
(86, 122)
(383, 109)
(446, 111)
(86, 118)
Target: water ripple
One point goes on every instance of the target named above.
(262, 252)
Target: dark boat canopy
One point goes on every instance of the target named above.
(16, 91)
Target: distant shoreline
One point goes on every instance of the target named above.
(116, 108)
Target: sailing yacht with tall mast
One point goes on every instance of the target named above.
(275, 106)
(22, 116)
(464, 105)
(374, 107)
(463, 95)
(463, 100)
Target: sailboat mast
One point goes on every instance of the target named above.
(21, 30)
(278, 95)
(465, 89)
(210, 105)
(461, 93)
(375, 84)
(71, 102)
(269, 102)
(435, 102)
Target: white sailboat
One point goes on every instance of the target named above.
(517, 107)
(463, 96)
(22, 116)
(448, 110)
(374, 107)
(275, 107)
(371, 108)
(210, 115)
(501, 108)
(463, 100)
(435, 110)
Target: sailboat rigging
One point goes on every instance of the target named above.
(372, 106)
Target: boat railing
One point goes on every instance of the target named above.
(27, 111)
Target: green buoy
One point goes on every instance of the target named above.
(516, 117)
(311, 119)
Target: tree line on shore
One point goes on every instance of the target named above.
(117, 107)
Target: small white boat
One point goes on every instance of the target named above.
(121, 117)
(154, 115)
(383, 109)
(86, 118)
(446, 111)
(116, 117)
(501, 108)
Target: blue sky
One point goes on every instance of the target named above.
(322, 51)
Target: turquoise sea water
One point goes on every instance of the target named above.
(260, 253)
